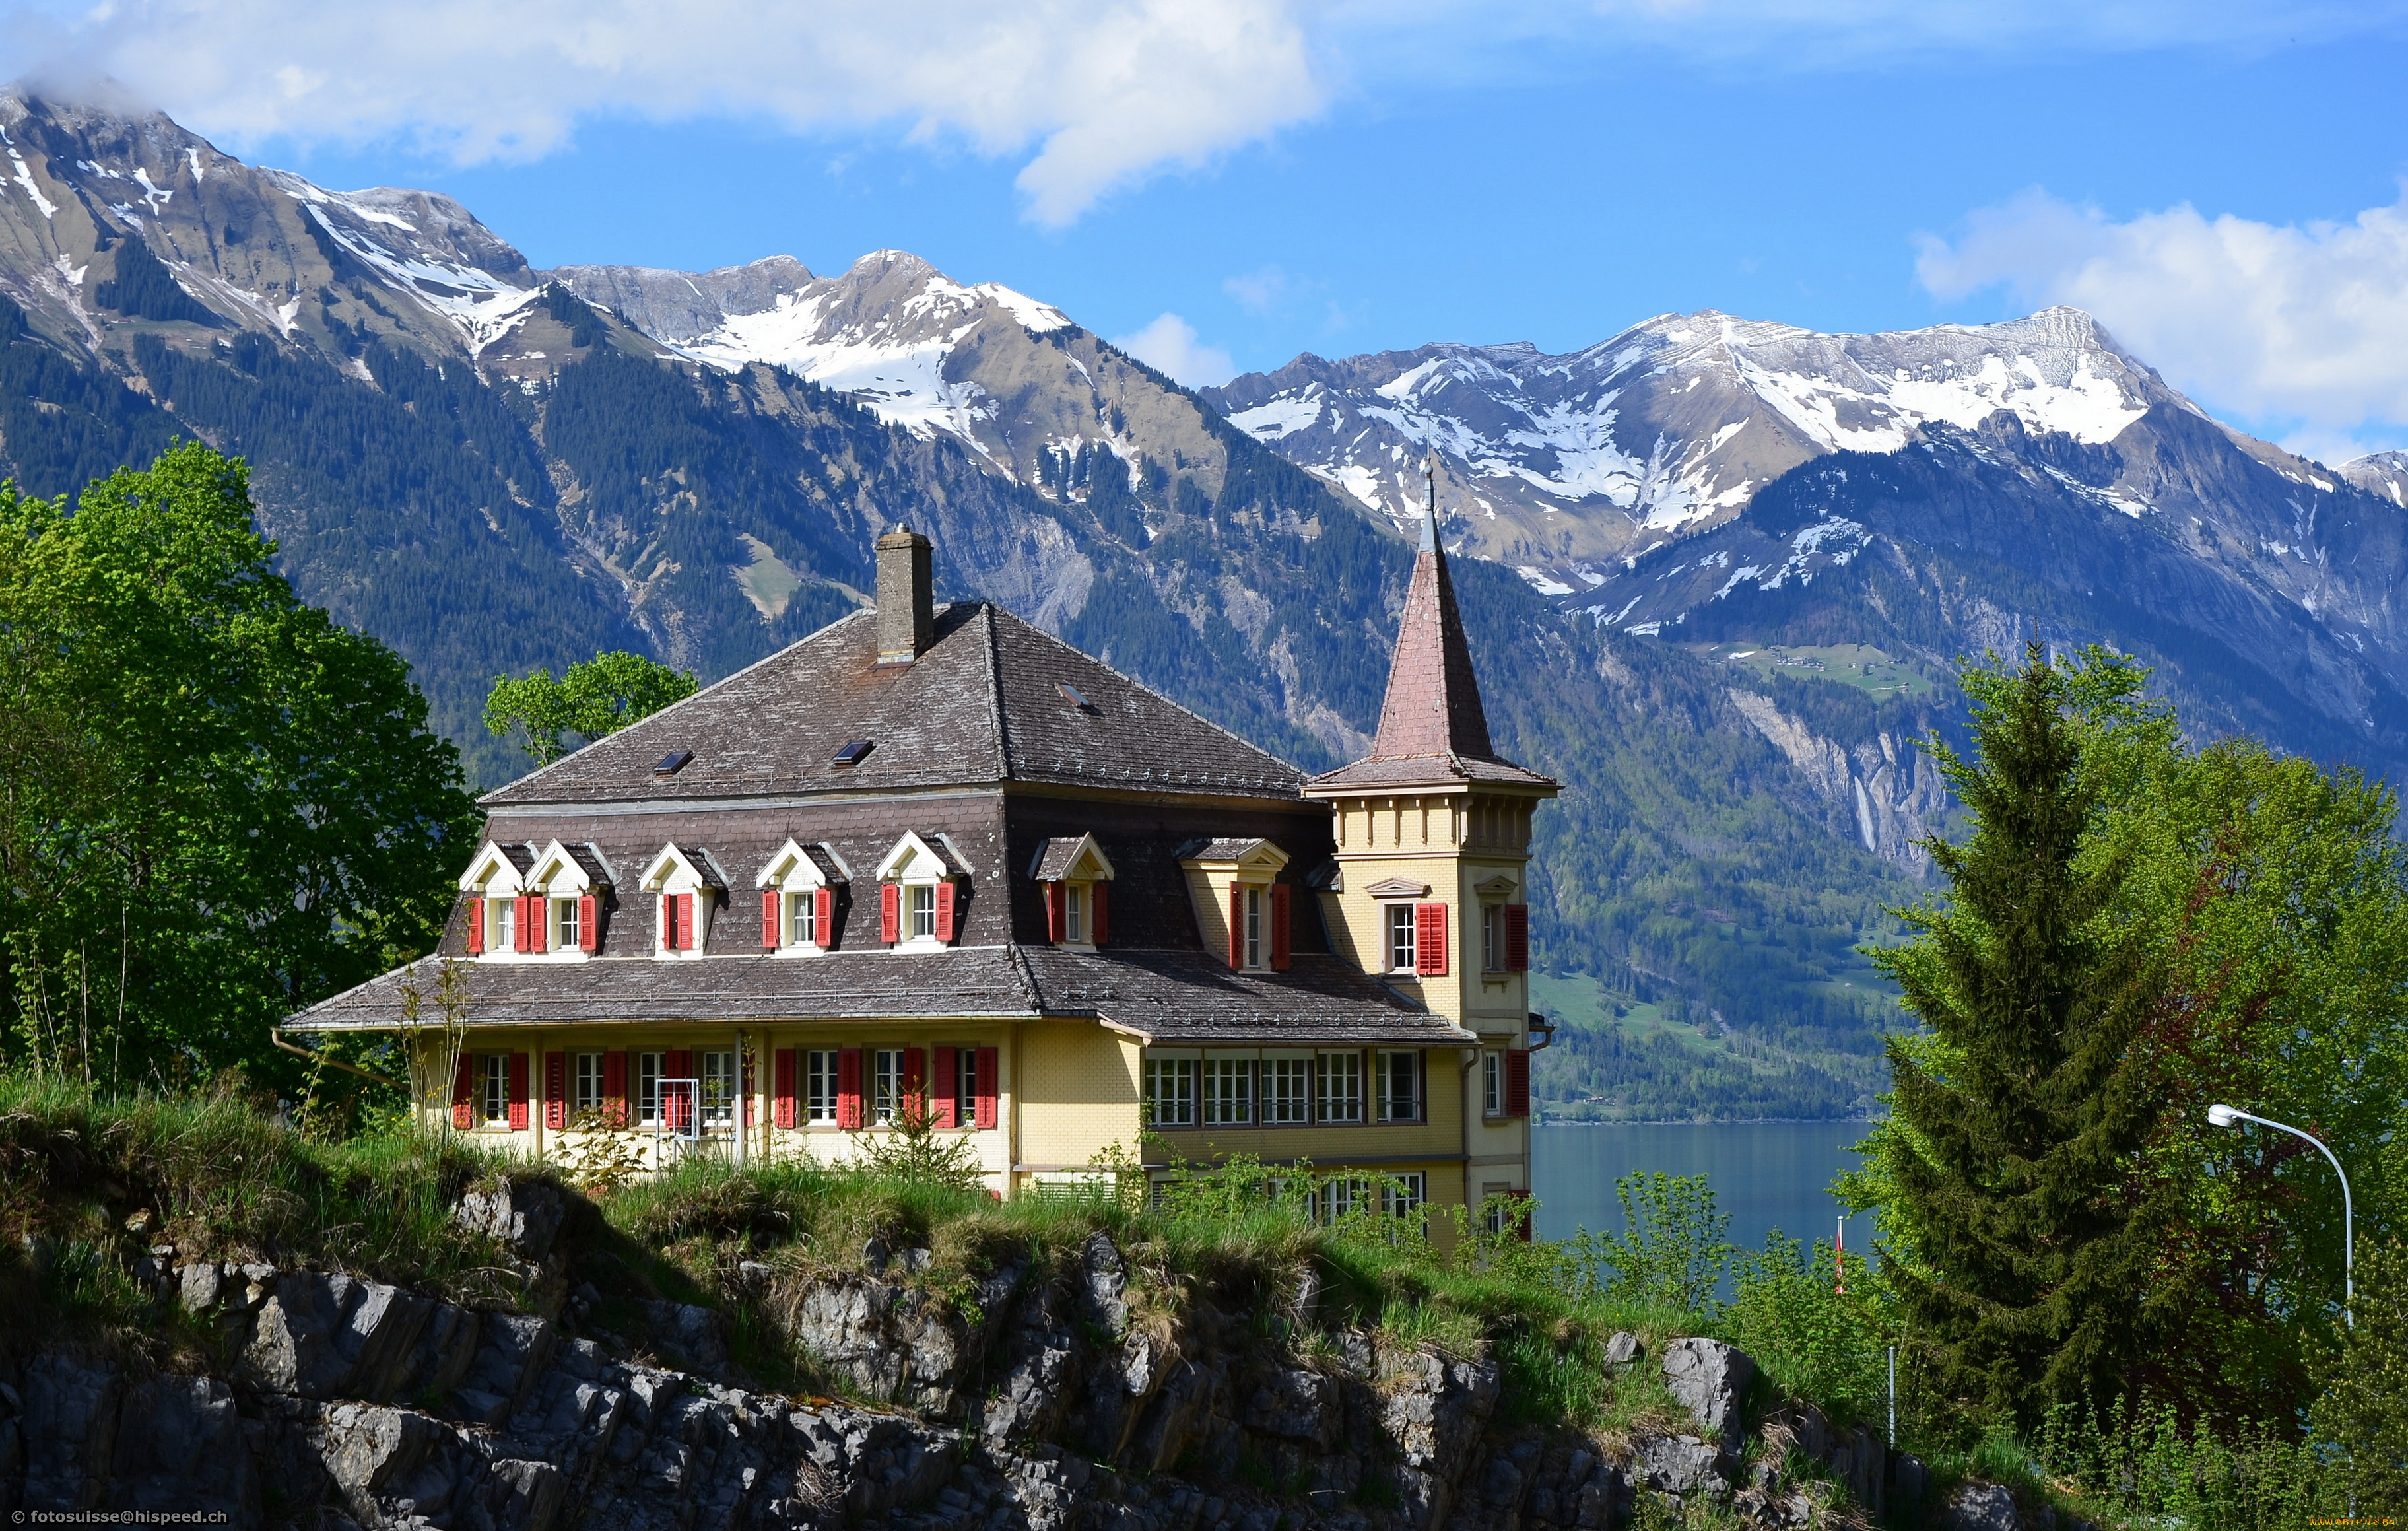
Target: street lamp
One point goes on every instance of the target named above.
(2227, 1116)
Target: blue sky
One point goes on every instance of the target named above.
(1233, 182)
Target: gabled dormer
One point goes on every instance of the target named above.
(1076, 877)
(497, 885)
(1241, 908)
(685, 886)
(921, 883)
(798, 890)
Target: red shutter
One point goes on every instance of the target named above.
(1237, 925)
(945, 909)
(1430, 940)
(1057, 911)
(770, 920)
(518, 1092)
(1100, 922)
(1517, 1082)
(1517, 937)
(783, 1110)
(916, 1082)
(476, 927)
(1280, 907)
(539, 928)
(522, 928)
(983, 1113)
(679, 1104)
(890, 912)
(668, 923)
(848, 1085)
(614, 1089)
(685, 921)
(462, 1081)
(942, 1099)
(744, 1086)
(588, 928)
(555, 1091)
(824, 919)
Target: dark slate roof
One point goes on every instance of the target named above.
(1188, 998)
(1430, 771)
(1216, 849)
(982, 705)
(1171, 997)
(588, 857)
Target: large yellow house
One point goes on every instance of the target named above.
(932, 853)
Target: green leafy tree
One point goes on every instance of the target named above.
(596, 696)
(216, 805)
(2364, 1410)
(2012, 1156)
(1670, 1248)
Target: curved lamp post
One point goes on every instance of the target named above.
(2226, 1116)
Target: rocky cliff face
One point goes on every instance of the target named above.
(1039, 1399)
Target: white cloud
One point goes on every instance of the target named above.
(1169, 345)
(1105, 91)
(2299, 324)
(1258, 292)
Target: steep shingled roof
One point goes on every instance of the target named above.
(984, 703)
(1432, 728)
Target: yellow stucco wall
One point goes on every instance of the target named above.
(1079, 1095)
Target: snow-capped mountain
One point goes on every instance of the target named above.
(2381, 474)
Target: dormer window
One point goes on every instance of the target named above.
(1076, 877)
(798, 899)
(1240, 903)
(525, 902)
(686, 887)
(920, 886)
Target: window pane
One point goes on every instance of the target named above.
(494, 1075)
(1492, 940)
(1254, 927)
(965, 1086)
(1073, 913)
(923, 910)
(886, 1093)
(1286, 1091)
(1405, 1197)
(719, 1089)
(1492, 1084)
(820, 1093)
(1170, 1091)
(1227, 1092)
(1398, 1086)
(648, 1088)
(1341, 1087)
(566, 908)
(589, 1081)
(1400, 937)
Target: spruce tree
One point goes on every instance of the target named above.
(2022, 1236)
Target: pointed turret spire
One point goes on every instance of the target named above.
(1433, 701)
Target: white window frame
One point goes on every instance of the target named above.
(919, 913)
(1256, 905)
(1339, 1195)
(645, 1071)
(1074, 914)
(1172, 1082)
(1339, 1093)
(503, 941)
(566, 928)
(800, 928)
(965, 1086)
(798, 877)
(1286, 1089)
(493, 1089)
(1383, 1066)
(1404, 1192)
(586, 1081)
(1492, 938)
(717, 1070)
(822, 1078)
(1403, 943)
(886, 1081)
(1229, 1091)
(1492, 1084)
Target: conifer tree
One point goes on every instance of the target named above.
(2028, 1237)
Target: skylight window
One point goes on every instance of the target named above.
(852, 753)
(1071, 694)
(673, 762)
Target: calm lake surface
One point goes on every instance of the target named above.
(1766, 1175)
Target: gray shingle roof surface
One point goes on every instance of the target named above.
(1173, 997)
(982, 704)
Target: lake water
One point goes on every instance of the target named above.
(1766, 1175)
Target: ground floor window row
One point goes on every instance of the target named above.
(1285, 1089)
(676, 1089)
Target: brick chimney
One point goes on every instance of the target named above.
(907, 622)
